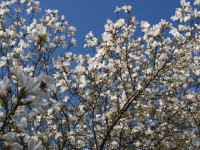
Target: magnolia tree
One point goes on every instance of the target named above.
(133, 93)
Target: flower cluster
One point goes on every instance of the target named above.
(133, 93)
(30, 93)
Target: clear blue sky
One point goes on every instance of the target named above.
(91, 15)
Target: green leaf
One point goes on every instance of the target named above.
(2, 104)
(42, 38)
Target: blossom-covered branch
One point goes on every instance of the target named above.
(132, 93)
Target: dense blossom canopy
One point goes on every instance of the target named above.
(133, 93)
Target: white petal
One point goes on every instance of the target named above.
(32, 85)
(2, 90)
(6, 81)
(50, 81)
(47, 79)
(34, 100)
(13, 71)
(36, 93)
(31, 38)
(23, 122)
(39, 146)
(35, 33)
(31, 144)
(52, 87)
(43, 30)
(22, 79)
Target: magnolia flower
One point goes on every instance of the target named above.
(73, 42)
(62, 17)
(83, 82)
(117, 9)
(127, 8)
(30, 86)
(197, 2)
(32, 145)
(38, 35)
(47, 82)
(71, 30)
(114, 144)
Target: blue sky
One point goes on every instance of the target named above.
(91, 15)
